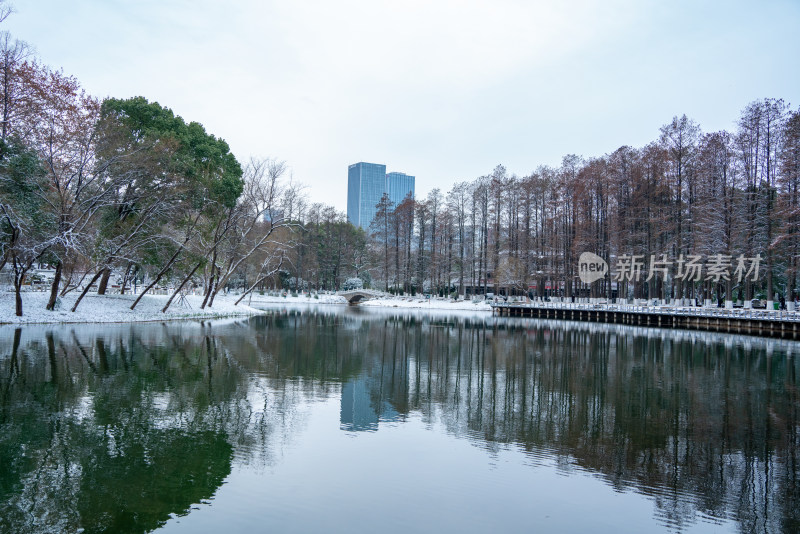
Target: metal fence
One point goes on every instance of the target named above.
(686, 311)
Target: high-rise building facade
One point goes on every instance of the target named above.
(366, 184)
(399, 185)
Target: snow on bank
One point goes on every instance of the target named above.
(427, 304)
(383, 302)
(321, 298)
(116, 308)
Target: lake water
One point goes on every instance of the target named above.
(336, 419)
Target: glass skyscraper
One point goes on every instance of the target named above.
(366, 184)
(399, 185)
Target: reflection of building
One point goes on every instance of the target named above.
(367, 183)
(362, 407)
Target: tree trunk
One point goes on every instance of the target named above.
(148, 288)
(216, 290)
(178, 290)
(222, 281)
(260, 281)
(158, 276)
(51, 304)
(770, 286)
(86, 290)
(214, 272)
(209, 288)
(101, 288)
(67, 288)
(125, 279)
(18, 295)
(729, 294)
(252, 287)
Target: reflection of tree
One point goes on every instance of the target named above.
(116, 480)
(104, 435)
(137, 484)
(698, 422)
(96, 427)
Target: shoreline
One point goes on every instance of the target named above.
(109, 309)
(114, 309)
(416, 303)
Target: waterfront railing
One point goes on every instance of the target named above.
(686, 311)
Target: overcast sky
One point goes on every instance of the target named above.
(443, 90)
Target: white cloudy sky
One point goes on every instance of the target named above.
(441, 89)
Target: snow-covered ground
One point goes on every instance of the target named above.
(426, 304)
(384, 302)
(116, 308)
(321, 298)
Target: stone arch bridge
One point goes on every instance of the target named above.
(357, 295)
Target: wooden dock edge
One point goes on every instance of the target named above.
(756, 326)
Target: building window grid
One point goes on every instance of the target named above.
(367, 183)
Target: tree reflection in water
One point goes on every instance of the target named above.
(118, 428)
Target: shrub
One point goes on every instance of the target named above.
(353, 283)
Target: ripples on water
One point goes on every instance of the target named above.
(347, 420)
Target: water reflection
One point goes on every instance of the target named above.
(119, 428)
(363, 406)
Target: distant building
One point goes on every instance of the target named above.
(367, 183)
(399, 185)
(275, 216)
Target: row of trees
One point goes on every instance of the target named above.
(687, 193)
(125, 186)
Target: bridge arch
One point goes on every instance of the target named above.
(357, 295)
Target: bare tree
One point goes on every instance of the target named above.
(458, 202)
(262, 210)
(788, 209)
(381, 232)
(679, 138)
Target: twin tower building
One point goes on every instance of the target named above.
(367, 183)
